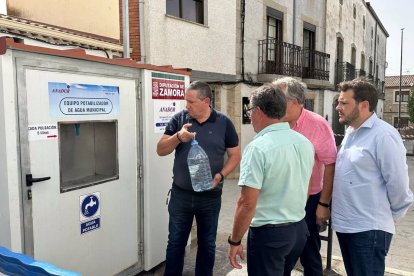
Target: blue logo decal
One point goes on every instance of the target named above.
(90, 206)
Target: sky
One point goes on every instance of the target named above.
(394, 15)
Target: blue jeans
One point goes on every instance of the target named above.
(273, 250)
(364, 253)
(311, 257)
(183, 207)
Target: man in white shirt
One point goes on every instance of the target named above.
(371, 185)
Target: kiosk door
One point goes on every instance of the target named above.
(79, 170)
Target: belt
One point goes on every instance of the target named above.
(213, 193)
(276, 225)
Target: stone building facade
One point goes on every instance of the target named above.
(280, 38)
(356, 40)
(391, 103)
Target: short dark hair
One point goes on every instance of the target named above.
(203, 89)
(363, 89)
(271, 100)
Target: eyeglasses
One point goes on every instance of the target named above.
(249, 111)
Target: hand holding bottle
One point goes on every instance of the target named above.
(184, 135)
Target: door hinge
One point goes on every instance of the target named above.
(141, 248)
(140, 171)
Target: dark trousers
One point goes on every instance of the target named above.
(182, 208)
(274, 251)
(364, 252)
(311, 257)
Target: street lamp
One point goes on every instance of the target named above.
(399, 93)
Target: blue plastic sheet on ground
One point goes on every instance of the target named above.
(19, 264)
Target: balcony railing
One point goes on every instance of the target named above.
(379, 85)
(281, 58)
(360, 73)
(344, 71)
(315, 65)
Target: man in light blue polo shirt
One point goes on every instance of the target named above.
(371, 189)
(275, 172)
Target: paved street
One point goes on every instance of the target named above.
(399, 260)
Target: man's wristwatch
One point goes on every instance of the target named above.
(222, 177)
(324, 204)
(233, 242)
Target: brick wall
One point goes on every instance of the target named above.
(134, 36)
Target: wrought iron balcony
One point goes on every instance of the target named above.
(379, 85)
(360, 73)
(315, 65)
(344, 71)
(281, 58)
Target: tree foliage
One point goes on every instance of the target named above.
(411, 105)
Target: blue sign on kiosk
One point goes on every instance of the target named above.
(90, 212)
(90, 206)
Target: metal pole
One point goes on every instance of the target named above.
(142, 30)
(399, 93)
(125, 13)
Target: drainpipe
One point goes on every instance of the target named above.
(242, 17)
(324, 20)
(125, 13)
(294, 22)
(141, 30)
(375, 50)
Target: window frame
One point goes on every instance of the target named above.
(403, 91)
(277, 16)
(203, 17)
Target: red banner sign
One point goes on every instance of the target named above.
(168, 89)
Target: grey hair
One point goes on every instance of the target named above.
(270, 99)
(202, 88)
(292, 88)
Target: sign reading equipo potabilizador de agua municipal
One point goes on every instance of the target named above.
(68, 99)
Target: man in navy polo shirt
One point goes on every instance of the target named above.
(217, 136)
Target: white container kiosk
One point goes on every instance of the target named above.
(81, 185)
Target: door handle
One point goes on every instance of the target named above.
(30, 180)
